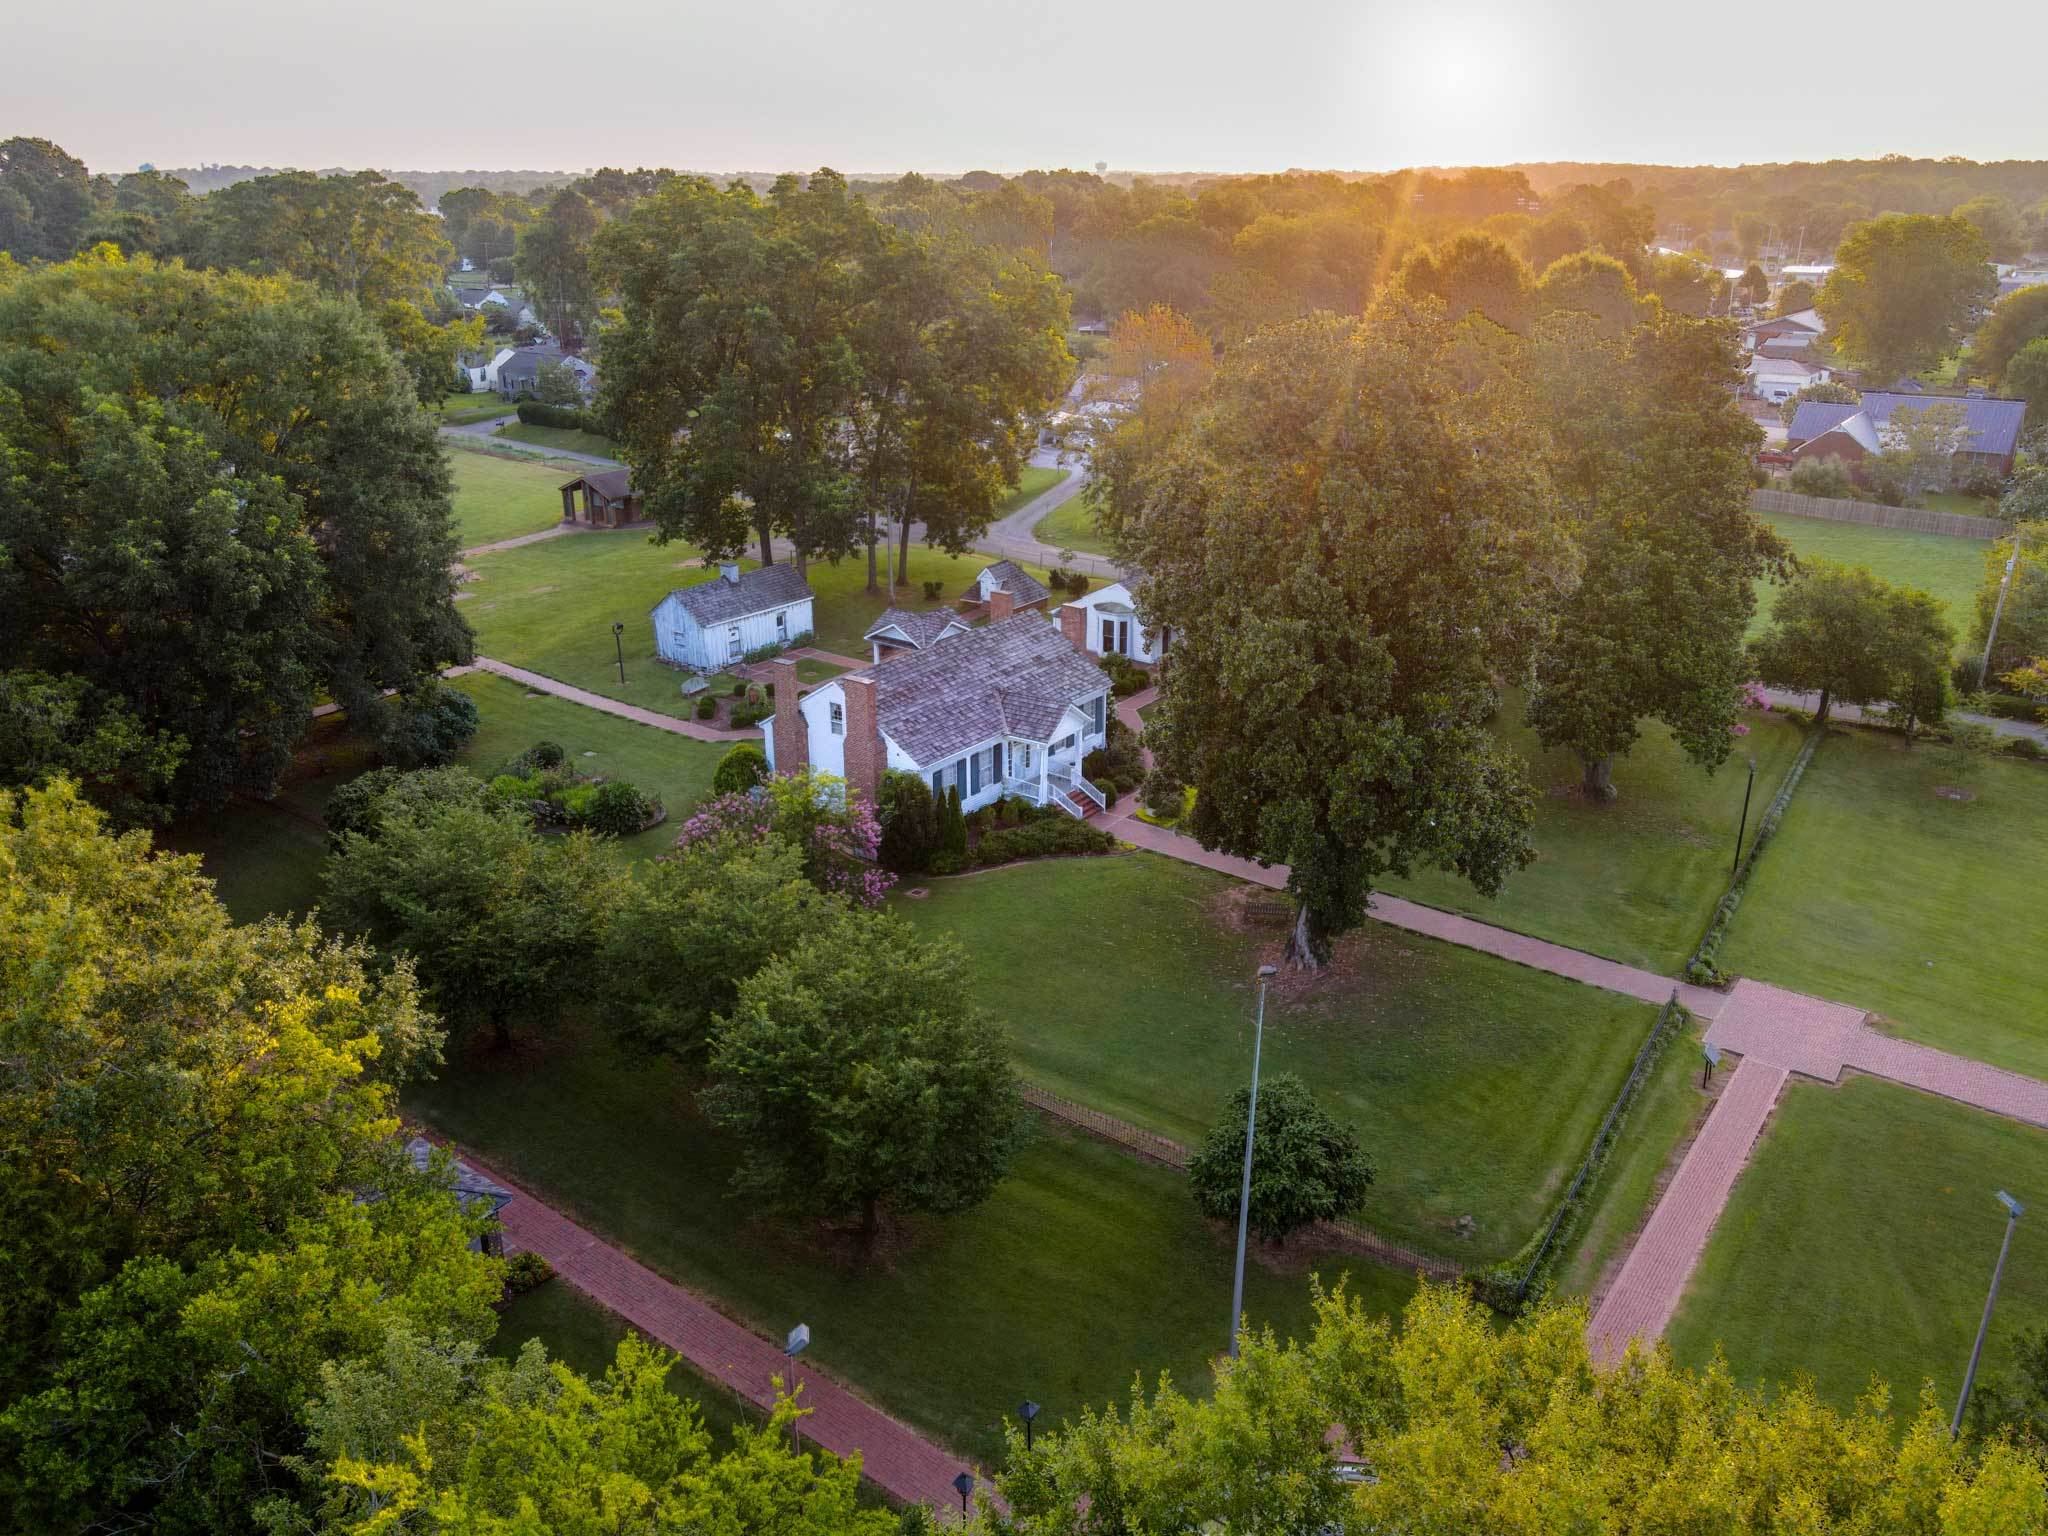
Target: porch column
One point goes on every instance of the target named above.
(1044, 762)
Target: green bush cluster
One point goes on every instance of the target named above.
(1701, 969)
(1061, 580)
(1126, 677)
(525, 1272)
(743, 766)
(706, 707)
(1117, 766)
(1164, 795)
(540, 780)
(749, 713)
(912, 823)
(1051, 833)
(535, 413)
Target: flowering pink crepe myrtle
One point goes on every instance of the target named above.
(836, 829)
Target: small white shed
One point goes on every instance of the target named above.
(715, 623)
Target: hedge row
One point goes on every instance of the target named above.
(1701, 968)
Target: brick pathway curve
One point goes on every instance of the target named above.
(543, 684)
(895, 1457)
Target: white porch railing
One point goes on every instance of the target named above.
(1057, 788)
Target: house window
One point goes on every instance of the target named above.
(974, 774)
(1095, 708)
(838, 719)
(938, 781)
(960, 775)
(782, 625)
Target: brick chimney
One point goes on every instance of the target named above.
(865, 754)
(792, 738)
(1074, 625)
(1000, 606)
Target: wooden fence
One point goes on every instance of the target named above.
(1918, 519)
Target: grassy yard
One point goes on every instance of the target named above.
(1033, 483)
(501, 498)
(1071, 525)
(1885, 889)
(1475, 1084)
(1860, 1240)
(1085, 1267)
(566, 439)
(1634, 879)
(456, 410)
(1950, 568)
(550, 607)
(674, 767)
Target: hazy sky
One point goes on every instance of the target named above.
(949, 85)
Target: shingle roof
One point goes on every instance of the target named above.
(472, 1190)
(1817, 416)
(1858, 427)
(720, 601)
(920, 629)
(1994, 424)
(1020, 584)
(612, 484)
(1016, 678)
(524, 363)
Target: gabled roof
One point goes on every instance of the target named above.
(1817, 416)
(612, 484)
(719, 601)
(1784, 367)
(1857, 427)
(1016, 678)
(1015, 580)
(1994, 424)
(917, 630)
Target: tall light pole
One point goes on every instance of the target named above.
(2013, 1211)
(1736, 868)
(1244, 1192)
(619, 644)
(1998, 611)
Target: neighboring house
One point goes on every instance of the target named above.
(1801, 323)
(899, 629)
(1011, 708)
(512, 305)
(1026, 590)
(1105, 623)
(1821, 430)
(715, 623)
(517, 372)
(1800, 346)
(1778, 379)
(608, 499)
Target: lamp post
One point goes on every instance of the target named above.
(1244, 1192)
(1747, 790)
(963, 1485)
(1027, 1413)
(798, 1341)
(2013, 1212)
(619, 644)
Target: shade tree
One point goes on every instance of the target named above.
(1307, 1166)
(2015, 321)
(1904, 291)
(1853, 638)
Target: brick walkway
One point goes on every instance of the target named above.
(896, 1458)
(1645, 1294)
(542, 684)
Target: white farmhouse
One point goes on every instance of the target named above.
(715, 623)
(1106, 623)
(1011, 708)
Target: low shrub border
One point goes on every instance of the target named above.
(1701, 969)
(1504, 1288)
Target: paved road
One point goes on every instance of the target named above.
(1811, 701)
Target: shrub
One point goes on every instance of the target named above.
(933, 590)
(743, 766)
(541, 757)
(1126, 677)
(767, 652)
(352, 807)
(1077, 583)
(910, 821)
(1056, 578)
(1967, 674)
(1980, 481)
(525, 1272)
(362, 805)
(1118, 766)
(1053, 834)
(744, 715)
(1164, 795)
(739, 688)
(1307, 1165)
(706, 707)
(1822, 477)
(2023, 746)
(537, 413)
(617, 809)
(953, 824)
(426, 725)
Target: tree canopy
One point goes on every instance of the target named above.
(1904, 292)
(1306, 1165)
(2015, 321)
(1853, 638)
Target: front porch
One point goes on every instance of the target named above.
(1049, 773)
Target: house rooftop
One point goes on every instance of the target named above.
(613, 484)
(918, 629)
(724, 599)
(1016, 678)
(1994, 425)
(1022, 586)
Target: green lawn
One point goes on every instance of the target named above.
(497, 498)
(567, 439)
(1475, 1084)
(550, 607)
(1086, 1266)
(1634, 879)
(1950, 568)
(674, 767)
(456, 410)
(1860, 1240)
(1884, 891)
(1071, 525)
(1033, 483)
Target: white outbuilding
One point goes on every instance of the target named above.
(716, 623)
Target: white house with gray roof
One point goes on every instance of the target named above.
(715, 623)
(903, 629)
(1008, 576)
(1011, 708)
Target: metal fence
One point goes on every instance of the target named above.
(1870, 513)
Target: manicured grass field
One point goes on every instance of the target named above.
(1884, 890)
(1634, 879)
(1475, 1084)
(674, 767)
(550, 607)
(1860, 1240)
(460, 410)
(1085, 1267)
(567, 439)
(1071, 525)
(498, 498)
(1950, 568)
(1033, 483)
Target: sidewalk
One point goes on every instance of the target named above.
(903, 1463)
(543, 684)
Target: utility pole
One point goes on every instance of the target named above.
(1998, 609)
